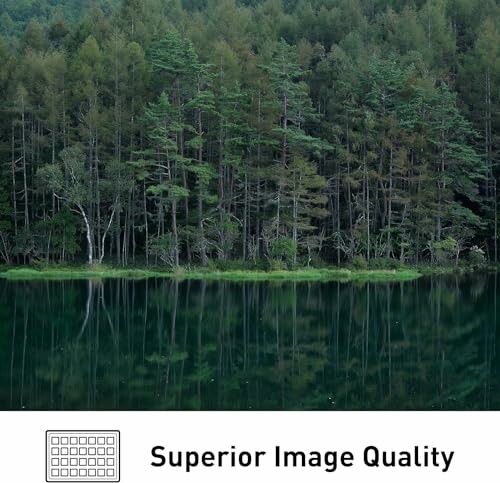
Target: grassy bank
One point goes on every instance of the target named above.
(312, 274)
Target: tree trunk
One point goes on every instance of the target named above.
(174, 233)
(88, 232)
(389, 210)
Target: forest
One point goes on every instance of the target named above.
(252, 133)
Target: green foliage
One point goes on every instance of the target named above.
(359, 263)
(476, 256)
(69, 179)
(284, 250)
(164, 248)
(64, 233)
(5, 224)
(18, 13)
(444, 250)
(385, 264)
(223, 234)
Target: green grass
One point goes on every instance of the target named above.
(74, 273)
(312, 274)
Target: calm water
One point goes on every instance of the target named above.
(161, 344)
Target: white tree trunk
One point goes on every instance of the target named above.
(101, 255)
(90, 243)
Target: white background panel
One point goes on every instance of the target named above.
(472, 436)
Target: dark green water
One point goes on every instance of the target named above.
(161, 344)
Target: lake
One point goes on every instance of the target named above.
(161, 344)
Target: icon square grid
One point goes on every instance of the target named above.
(79, 456)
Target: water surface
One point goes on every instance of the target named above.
(164, 344)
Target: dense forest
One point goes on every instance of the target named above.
(15, 15)
(262, 132)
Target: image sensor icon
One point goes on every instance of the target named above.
(78, 456)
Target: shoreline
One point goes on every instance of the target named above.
(312, 274)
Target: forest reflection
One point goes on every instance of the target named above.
(165, 344)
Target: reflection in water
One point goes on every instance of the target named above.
(164, 344)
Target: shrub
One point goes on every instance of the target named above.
(385, 264)
(164, 248)
(445, 250)
(276, 265)
(284, 249)
(232, 265)
(476, 256)
(359, 263)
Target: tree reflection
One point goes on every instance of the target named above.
(165, 344)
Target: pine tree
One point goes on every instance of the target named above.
(165, 166)
(293, 109)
